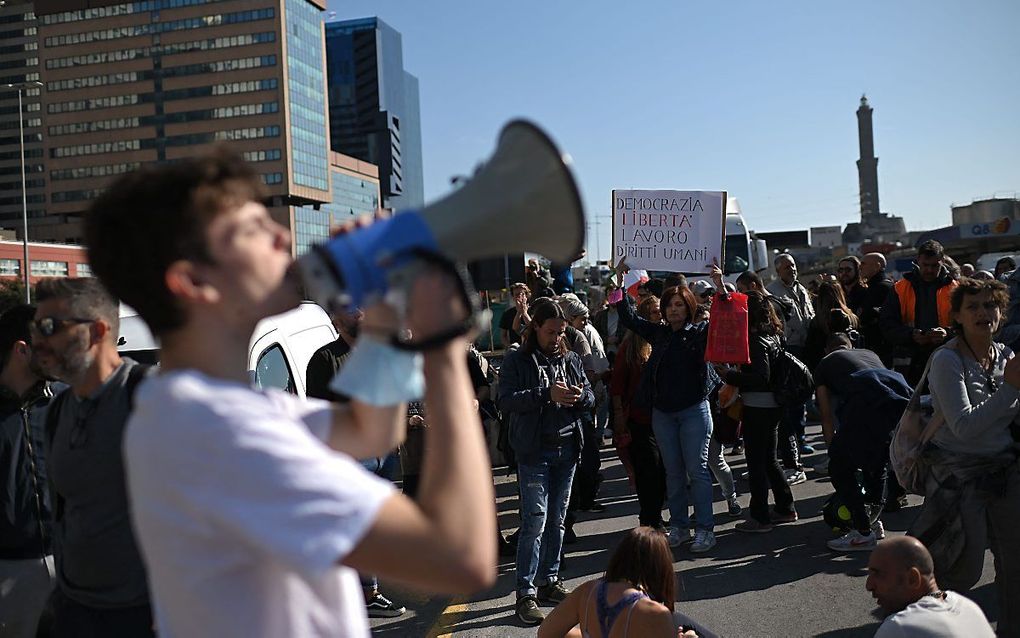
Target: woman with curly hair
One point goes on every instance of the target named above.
(972, 493)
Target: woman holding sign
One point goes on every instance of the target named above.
(676, 384)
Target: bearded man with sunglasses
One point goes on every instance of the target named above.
(101, 581)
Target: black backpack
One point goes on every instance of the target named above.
(789, 379)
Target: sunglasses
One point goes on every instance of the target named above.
(49, 326)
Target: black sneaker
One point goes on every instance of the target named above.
(506, 548)
(380, 606)
(597, 508)
(554, 592)
(528, 611)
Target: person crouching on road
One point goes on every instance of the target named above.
(544, 392)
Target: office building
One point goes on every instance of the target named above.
(160, 80)
(355, 192)
(19, 63)
(373, 106)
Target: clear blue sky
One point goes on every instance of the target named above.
(753, 97)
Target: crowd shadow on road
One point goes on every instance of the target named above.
(739, 563)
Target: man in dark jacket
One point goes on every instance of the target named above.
(323, 366)
(879, 287)
(915, 318)
(26, 552)
(545, 394)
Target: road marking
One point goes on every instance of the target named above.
(455, 609)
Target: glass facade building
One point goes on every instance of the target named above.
(132, 83)
(355, 192)
(306, 94)
(373, 106)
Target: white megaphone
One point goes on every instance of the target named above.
(523, 199)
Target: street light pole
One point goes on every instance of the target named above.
(24, 202)
(26, 267)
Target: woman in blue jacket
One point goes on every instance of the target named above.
(545, 394)
(676, 383)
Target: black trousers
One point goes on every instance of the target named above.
(74, 620)
(586, 477)
(761, 431)
(649, 474)
(856, 449)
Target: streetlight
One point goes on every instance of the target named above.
(21, 86)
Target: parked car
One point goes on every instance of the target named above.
(278, 352)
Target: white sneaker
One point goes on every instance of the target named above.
(678, 537)
(853, 541)
(878, 530)
(795, 477)
(704, 540)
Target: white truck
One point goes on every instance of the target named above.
(743, 251)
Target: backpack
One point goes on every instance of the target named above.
(790, 380)
(916, 428)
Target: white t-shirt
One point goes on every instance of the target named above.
(933, 617)
(243, 513)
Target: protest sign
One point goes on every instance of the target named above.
(676, 231)
(728, 341)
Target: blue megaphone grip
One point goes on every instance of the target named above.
(365, 257)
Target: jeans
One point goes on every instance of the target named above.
(25, 586)
(545, 492)
(760, 432)
(721, 469)
(649, 475)
(792, 426)
(383, 467)
(683, 443)
(855, 449)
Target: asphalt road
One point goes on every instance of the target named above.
(786, 583)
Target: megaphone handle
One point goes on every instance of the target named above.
(467, 294)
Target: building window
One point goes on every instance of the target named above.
(10, 267)
(83, 270)
(49, 268)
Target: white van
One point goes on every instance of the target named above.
(278, 353)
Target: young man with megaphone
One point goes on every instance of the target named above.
(251, 510)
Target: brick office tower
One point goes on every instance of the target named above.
(19, 67)
(867, 165)
(162, 80)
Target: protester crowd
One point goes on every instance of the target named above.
(185, 503)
